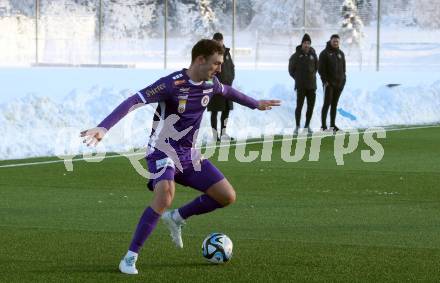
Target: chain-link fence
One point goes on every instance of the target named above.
(263, 34)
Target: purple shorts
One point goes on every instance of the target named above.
(199, 180)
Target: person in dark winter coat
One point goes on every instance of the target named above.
(218, 103)
(332, 72)
(303, 65)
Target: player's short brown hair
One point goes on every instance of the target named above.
(206, 48)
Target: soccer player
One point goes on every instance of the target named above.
(183, 94)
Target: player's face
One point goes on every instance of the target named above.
(211, 66)
(334, 42)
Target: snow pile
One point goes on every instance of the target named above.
(38, 125)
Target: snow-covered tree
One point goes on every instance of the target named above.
(365, 8)
(277, 18)
(351, 29)
(129, 19)
(283, 16)
(206, 23)
(426, 13)
(181, 17)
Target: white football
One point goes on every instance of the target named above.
(217, 248)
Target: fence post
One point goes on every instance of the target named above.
(233, 28)
(37, 16)
(100, 34)
(165, 35)
(378, 37)
(304, 17)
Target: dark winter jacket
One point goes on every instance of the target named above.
(303, 68)
(332, 66)
(226, 76)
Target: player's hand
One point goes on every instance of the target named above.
(93, 136)
(267, 104)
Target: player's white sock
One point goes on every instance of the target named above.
(174, 222)
(130, 253)
(177, 217)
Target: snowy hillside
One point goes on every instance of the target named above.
(43, 117)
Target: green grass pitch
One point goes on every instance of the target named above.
(303, 221)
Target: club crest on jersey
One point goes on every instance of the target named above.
(205, 100)
(339, 55)
(182, 104)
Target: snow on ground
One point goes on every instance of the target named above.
(42, 110)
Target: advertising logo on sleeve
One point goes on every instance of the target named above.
(155, 90)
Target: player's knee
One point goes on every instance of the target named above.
(229, 198)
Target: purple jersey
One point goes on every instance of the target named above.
(181, 100)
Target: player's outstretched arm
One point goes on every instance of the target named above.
(155, 92)
(236, 96)
(268, 104)
(93, 136)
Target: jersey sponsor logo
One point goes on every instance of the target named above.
(166, 162)
(182, 104)
(184, 89)
(179, 82)
(156, 90)
(209, 90)
(177, 76)
(205, 100)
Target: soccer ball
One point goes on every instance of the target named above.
(217, 248)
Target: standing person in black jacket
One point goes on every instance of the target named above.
(303, 65)
(332, 72)
(218, 102)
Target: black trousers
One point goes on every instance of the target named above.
(301, 94)
(331, 99)
(223, 121)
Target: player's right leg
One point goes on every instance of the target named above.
(217, 193)
(163, 197)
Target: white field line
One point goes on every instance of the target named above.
(211, 146)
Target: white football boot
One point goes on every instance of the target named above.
(175, 226)
(128, 263)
